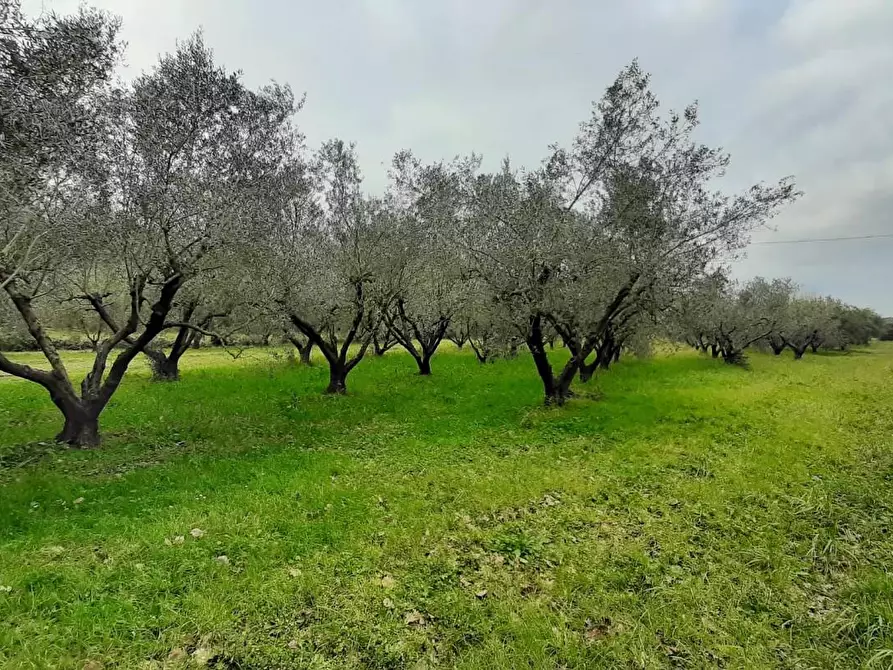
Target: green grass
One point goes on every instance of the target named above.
(678, 513)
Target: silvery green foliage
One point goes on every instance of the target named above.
(424, 286)
(823, 322)
(54, 74)
(855, 326)
(326, 252)
(727, 317)
(806, 321)
(627, 216)
(126, 208)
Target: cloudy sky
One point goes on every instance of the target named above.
(802, 87)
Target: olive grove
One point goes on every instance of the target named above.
(183, 209)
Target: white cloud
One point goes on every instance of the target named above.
(828, 24)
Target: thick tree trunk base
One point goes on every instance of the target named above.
(80, 432)
(424, 368)
(167, 375)
(337, 383)
(165, 369)
(735, 358)
(558, 398)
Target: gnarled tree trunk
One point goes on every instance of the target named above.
(382, 345)
(409, 332)
(556, 389)
(424, 365)
(80, 430)
(337, 379)
(81, 417)
(305, 349)
(165, 368)
(338, 357)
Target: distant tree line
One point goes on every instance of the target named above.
(725, 318)
(184, 208)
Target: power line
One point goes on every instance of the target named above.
(826, 239)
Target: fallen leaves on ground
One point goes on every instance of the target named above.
(415, 618)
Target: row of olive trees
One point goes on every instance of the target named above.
(721, 316)
(185, 202)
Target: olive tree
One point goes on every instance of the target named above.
(133, 204)
(491, 333)
(383, 339)
(303, 345)
(628, 211)
(213, 306)
(805, 322)
(425, 275)
(855, 326)
(324, 251)
(731, 317)
(54, 77)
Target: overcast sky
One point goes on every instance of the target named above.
(802, 87)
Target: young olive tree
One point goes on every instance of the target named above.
(425, 274)
(325, 250)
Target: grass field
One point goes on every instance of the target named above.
(679, 513)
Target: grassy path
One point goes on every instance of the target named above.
(680, 513)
